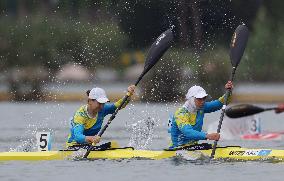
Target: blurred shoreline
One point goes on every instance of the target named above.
(243, 92)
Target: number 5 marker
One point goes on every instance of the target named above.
(43, 141)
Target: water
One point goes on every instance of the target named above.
(20, 122)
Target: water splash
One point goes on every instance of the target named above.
(142, 133)
(25, 146)
(28, 139)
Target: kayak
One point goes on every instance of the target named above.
(228, 152)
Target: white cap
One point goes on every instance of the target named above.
(197, 92)
(98, 94)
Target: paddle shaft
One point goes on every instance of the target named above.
(114, 114)
(119, 107)
(123, 101)
(271, 108)
(227, 94)
(237, 48)
(156, 51)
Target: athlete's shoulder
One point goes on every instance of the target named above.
(181, 111)
(82, 111)
(81, 115)
(182, 114)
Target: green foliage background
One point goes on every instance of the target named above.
(50, 34)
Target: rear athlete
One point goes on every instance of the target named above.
(186, 123)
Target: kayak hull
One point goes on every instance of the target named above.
(231, 153)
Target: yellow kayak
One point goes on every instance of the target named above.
(229, 152)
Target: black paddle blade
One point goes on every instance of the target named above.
(242, 110)
(158, 48)
(238, 44)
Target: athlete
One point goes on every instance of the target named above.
(186, 123)
(87, 120)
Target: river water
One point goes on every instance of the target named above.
(143, 126)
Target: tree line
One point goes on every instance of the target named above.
(51, 33)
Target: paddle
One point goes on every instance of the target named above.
(158, 48)
(237, 48)
(243, 110)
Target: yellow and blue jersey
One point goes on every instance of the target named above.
(186, 127)
(83, 125)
